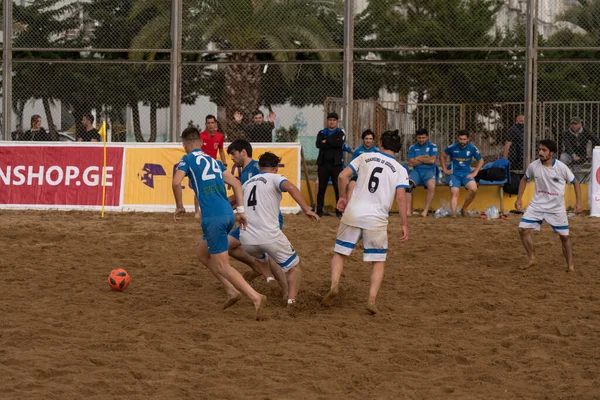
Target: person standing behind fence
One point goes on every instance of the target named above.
(90, 134)
(422, 157)
(36, 133)
(258, 130)
(513, 146)
(574, 141)
(330, 163)
(462, 153)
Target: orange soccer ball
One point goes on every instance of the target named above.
(118, 279)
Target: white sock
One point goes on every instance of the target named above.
(269, 279)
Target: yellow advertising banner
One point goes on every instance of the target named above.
(149, 173)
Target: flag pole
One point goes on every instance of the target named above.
(103, 134)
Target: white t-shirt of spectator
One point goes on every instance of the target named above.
(262, 199)
(549, 195)
(379, 176)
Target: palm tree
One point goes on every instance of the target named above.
(246, 24)
(42, 24)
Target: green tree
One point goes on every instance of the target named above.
(40, 24)
(437, 76)
(247, 24)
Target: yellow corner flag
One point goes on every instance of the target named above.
(102, 133)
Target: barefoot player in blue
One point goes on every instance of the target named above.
(209, 178)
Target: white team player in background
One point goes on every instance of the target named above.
(548, 203)
(262, 197)
(380, 178)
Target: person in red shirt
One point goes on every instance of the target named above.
(212, 140)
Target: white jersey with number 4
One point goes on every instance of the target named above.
(379, 176)
(262, 198)
(550, 184)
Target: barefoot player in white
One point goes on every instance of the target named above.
(548, 203)
(262, 197)
(380, 178)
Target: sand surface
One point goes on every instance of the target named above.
(458, 318)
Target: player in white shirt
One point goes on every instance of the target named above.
(262, 197)
(548, 203)
(380, 178)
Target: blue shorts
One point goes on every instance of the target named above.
(215, 232)
(459, 180)
(421, 177)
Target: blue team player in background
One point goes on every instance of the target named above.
(209, 178)
(462, 154)
(240, 151)
(422, 157)
(368, 146)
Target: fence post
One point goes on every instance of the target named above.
(7, 69)
(175, 110)
(349, 69)
(530, 65)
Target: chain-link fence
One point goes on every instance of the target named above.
(271, 70)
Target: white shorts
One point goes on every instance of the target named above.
(532, 219)
(281, 251)
(374, 242)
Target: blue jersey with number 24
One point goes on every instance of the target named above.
(206, 175)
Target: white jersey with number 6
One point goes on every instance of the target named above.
(262, 197)
(379, 175)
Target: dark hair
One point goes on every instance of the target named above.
(550, 144)
(210, 116)
(239, 145)
(190, 134)
(368, 132)
(89, 116)
(35, 117)
(390, 140)
(268, 160)
(463, 132)
(255, 113)
(333, 115)
(422, 131)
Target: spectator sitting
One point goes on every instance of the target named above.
(36, 133)
(90, 134)
(574, 143)
(258, 130)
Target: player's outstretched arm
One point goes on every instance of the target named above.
(577, 187)
(522, 186)
(287, 186)
(401, 201)
(178, 194)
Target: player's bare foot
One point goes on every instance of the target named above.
(531, 263)
(571, 268)
(371, 308)
(231, 301)
(329, 298)
(197, 215)
(275, 287)
(424, 214)
(463, 212)
(260, 307)
(454, 216)
(251, 275)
